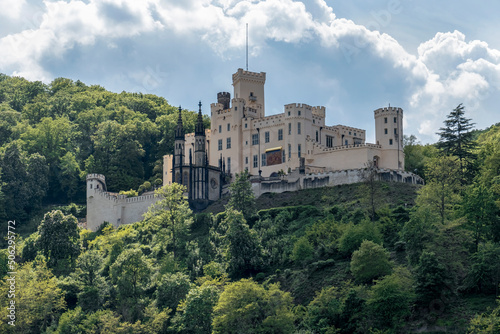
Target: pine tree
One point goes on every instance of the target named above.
(457, 139)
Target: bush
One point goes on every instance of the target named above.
(370, 261)
(354, 235)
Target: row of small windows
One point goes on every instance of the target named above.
(228, 143)
(298, 112)
(228, 127)
(395, 120)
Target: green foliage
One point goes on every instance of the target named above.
(58, 239)
(172, 288)
(196, 311)
(390, 299)
(418, 232)
(247, 307)
(457, 139)
(242, 197)
(131, 273)
(172, 215)
(38, 299)
(431, 278)
(354, 235)
(417, 155)
(302, 251)
(442, 190)
(370, 261)
(129, 193)
(243, 249)
(486, 323)
(484, 272)
(324, 312)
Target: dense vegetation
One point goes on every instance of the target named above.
(366, 258)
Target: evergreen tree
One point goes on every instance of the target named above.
(242, 197)
(457, 139)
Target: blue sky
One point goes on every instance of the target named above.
(350, 56)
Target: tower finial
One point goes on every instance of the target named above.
(199, 107)
(199, 127)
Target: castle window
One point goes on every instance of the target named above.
(266, 136)
(255, 139)
(228, 167)
(220, 128)
(346, 142)
(255, 161)
(264, 160)
(299, 150)
(228, 142)
(289, 151)
(385, 131)
(280, 134)
(329, 141)
(228, 127)
(288, 113)
(314, 121)
(354, 133)
(390, 141)
(385, 119)
(349, 133)
(289, 128)
(246, 125)
(220, 144)
(246, 142)
(317, 136)
(299, 112)
(91, 186)
(283, 157)
(246, 160)
(395, 131)
(394, 119)
(298, 128)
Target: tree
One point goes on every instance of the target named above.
(244, 251)
(369, 177)
(417, 155)
(457, 139)
(354, 235)
(370, 261)
(442, 190)
(391, 298)
(196, 311)
(247, 307)
(484, 272)
(478, 206)
(171, 289)
(172, 215)
(242, 197)
(431, 277)
(59, 239)
(131, 273)
(302, 251)
(324, 312)
(39, 300)
(93, 285)
(486, 323)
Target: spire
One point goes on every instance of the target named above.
(199, 128)
(179, 130)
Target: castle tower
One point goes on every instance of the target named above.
(180, 141)
(95, 182)
(389, 135)
(224, 98)
(199, 140)
(250, 87)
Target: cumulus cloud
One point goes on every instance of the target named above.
(445, 70)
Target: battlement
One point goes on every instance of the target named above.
(100, 177)
(298, 105)
(388, 110)
(319, 111)
(247, 75)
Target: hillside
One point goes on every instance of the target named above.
(372, 257)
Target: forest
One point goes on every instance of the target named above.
(372, 257)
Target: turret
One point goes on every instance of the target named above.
(224, 98)
(389, 135)
(199, 140)
(250, 86)
(180, 141)
(95, 182)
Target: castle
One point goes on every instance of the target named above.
(288, 151)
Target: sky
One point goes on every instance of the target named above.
(351, 56)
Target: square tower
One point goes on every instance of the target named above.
(250, 87)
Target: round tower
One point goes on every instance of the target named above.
(389, 135)
(95, 182)
(224, 98)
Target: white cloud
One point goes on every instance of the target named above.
(11, 8)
